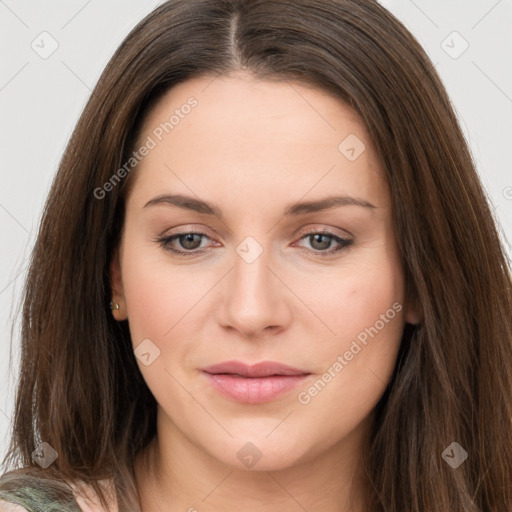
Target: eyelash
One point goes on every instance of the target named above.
(344, 243)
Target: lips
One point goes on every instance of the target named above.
(263, 369)
(259, 383)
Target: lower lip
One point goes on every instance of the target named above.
(254, 390)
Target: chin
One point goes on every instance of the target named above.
(261, 455)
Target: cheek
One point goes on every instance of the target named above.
(152, 301)
(364, 310)
(163, 294)
(367, 297)
(355, 296)
(158, 294)
(368, 323)
(159, 302)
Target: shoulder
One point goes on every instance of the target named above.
(35, 491)
(29, 490)
(89, 501)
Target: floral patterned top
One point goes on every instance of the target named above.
(34, 496)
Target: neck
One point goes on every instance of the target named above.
(174, 472)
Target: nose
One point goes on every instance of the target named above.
(254, 298)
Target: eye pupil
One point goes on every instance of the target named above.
(189, 243)
(324, 245)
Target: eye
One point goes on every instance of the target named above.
(321, 240)
(190, 241)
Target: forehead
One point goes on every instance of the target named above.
(234, 132)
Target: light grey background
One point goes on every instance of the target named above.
(41, 97)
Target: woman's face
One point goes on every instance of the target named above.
(256, 284)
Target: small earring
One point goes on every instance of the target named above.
(114, 305)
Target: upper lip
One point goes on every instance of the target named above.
(263, 369)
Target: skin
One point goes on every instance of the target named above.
(253, 148)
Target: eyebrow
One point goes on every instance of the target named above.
(295, 209)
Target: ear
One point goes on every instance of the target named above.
(116, 285)
(413, 312)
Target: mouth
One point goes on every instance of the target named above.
(254, 384)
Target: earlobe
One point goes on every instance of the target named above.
(412, 317)
(413, 313)
(117, 303)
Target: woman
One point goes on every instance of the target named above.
(190, 343)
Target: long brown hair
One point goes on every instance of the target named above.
(80, 389)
